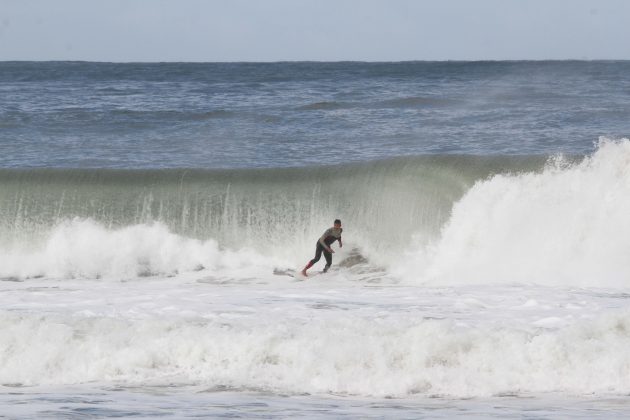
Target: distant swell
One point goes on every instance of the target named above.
(325, 106)
(416, 102)
(405, 102)
(149, 115)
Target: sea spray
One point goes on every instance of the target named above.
(566, 225)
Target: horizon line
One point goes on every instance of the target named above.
(324, 61)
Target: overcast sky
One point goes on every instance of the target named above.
(320, 30)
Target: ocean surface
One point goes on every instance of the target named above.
(153, 216)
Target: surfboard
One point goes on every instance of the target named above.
(294, 273)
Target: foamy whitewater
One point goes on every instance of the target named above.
(469, 284)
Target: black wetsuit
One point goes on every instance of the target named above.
(323, 244)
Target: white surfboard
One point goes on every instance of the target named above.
(294, 273)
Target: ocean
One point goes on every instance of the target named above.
(153, 216)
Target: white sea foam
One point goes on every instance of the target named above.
(568, 224)
(326, 335)
(348, 355)
(86, 249)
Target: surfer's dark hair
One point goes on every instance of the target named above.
(337, 221)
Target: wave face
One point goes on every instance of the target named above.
(277, 213)
(438, 220)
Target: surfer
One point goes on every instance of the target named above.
(323, 246)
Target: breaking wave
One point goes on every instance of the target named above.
(434, 219)
(566, 225)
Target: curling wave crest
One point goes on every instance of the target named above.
(565, 225)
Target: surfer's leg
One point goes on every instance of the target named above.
(328, 257)
(318, 255)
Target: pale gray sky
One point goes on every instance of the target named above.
(320, 30)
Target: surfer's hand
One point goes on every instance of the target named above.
(332, 251)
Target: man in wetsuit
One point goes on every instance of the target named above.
(323, 245)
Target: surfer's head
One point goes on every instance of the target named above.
(337, 223)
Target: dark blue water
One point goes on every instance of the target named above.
(72, 114)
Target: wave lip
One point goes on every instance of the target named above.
(566, 225)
